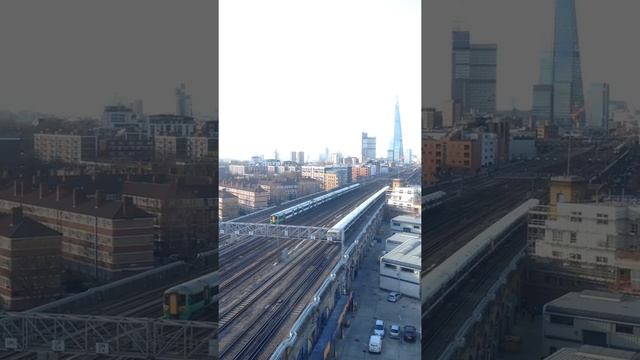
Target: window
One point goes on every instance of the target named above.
(574, 237)
(602, 219)
(625, 329)
(561, 320)
(389, 266)
(634, 228)
(406, 270)
(557, 235)
(601, 259)
(575, 256)
(576, 216)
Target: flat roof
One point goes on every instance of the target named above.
(408, 219)
(403, 236)
(589, 352)
(408, 254)
(597, 304)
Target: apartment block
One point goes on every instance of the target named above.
(71, 149)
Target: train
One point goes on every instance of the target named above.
(434, 199)
(443, 278)
(620, 148)
(281, 216)
(189, 298)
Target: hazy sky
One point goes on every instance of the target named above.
(522, 29)
(302, 75)
(72, 56)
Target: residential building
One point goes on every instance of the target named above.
(120, 117)
(126, 149)
(30, 262)
(314, 172)
(102, 239)
(250, 197)
(237, 170)
(488, 147)
(71, 149)
(300, 157)
(184, 149)
(451, 113)
(406, 199)
(169, 124)
(184, 214)
(501, 127)
(228, 206)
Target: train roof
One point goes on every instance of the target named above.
(434, 280)
(434, 195)
(346, 221)
(315, 199)
(196, 284)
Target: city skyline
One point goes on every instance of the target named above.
(91, 66)
(300, 85)
(530, 32)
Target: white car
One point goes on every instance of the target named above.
(375, 344)
(394, 332)
(393, 296)
(379, 328)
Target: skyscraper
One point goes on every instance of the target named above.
(542, 108)
(398, 155)
(301, 157)
(598, 106)
(568, 97)
(368, 148)
(473, 74)
(183, 101)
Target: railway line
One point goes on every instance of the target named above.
(275, 291)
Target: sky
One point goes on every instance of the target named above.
(304, 75)
(70, 57)
(522, 29)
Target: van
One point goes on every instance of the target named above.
(375, 344)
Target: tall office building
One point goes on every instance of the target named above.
(473, 74)
(300, 157)
(542, 106)
(568, 96)
(293, 156)
(368, 148)
(398, 155)
(183, 101)
(598, 106)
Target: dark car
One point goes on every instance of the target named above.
(409, 333)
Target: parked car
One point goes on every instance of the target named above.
(375, 344)
(379, 328)
(393, 296)
(394, 332)
(409, 333)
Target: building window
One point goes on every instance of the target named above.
(625, 329)
(634, 229)
(561, 320)
(406, 270)
(602, 219)
(574, 237)
(389, 266)
(601, 259)
(575, 256)
(557, 235)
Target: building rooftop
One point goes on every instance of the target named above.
(589, 352)
(107, 208)
(23, 227)
(408, 254)
(402, 236)
(597, 304)
(408, 219)
(165, 190)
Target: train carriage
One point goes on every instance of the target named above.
(185, 300)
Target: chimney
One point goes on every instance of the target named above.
(58, 192)
(74, 200)
(127, 206)
(16, 216)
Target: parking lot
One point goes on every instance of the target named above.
(372, 304)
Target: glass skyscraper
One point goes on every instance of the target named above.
(568, 96)
(398, 153)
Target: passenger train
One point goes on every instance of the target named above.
(281, 216)
(185, 300)
(432, 200)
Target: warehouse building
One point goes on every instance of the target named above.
(405, 223)
(592, 318)
(400, 269)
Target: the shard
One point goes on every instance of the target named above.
(398, 155)
(568, 97)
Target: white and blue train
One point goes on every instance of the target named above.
(281, 216)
